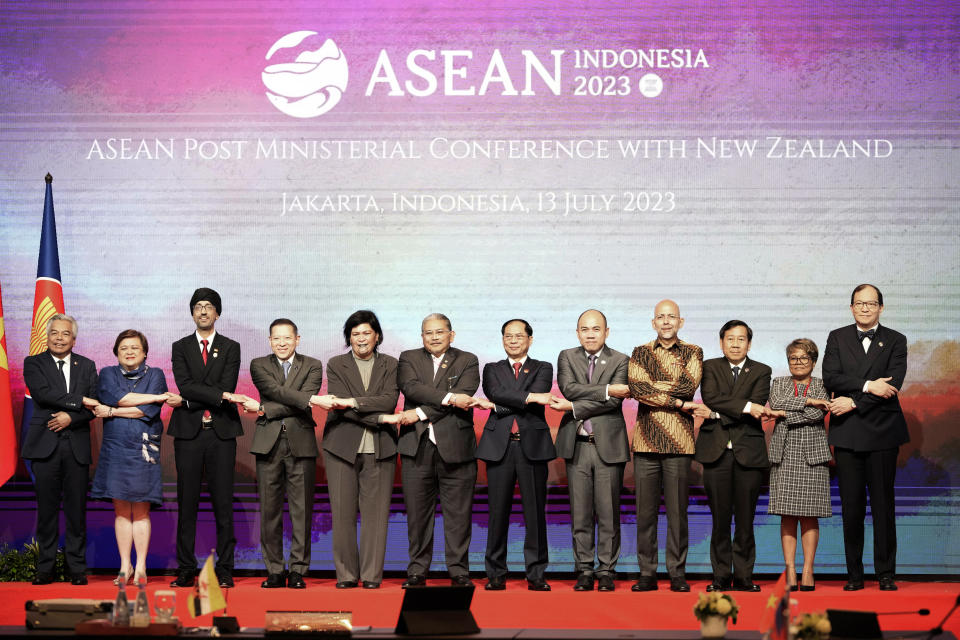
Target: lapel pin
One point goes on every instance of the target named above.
(526, 370)
(603, 362)
(880, 344)
(746, 369)
(443, 366)
(215, 353)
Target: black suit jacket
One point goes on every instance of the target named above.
(202, 387)
(45, 384)
(459, 372)
(876, 423)
(728, 399)
(286, 402)
(509, 394)
(344, 427)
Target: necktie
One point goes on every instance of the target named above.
(736, 374)
(515, 428)
(866, 334)
(587, 425)
(206, 413)
(286, 369)
(60, 364)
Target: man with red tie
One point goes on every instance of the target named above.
(517, 446)
(205, 427)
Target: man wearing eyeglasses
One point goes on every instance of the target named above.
(864, 366)
(205, 427)
(437, 445)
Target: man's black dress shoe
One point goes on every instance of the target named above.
(347, 584)
(295, 581)
(370, 584)
(746, 585)
(80, 579)
(461, 581)
(719, 585)
(679, 585)
(416, 580)
(43, 578)
(605, 583)
(645, 583)
(495, 584)
(853, 585)
(273, 581)
(183, 579)
(225, 580)
(538, 585)
(584, 582)
(887, 583)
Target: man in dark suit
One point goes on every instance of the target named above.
(63, 386)
(516, 445)
(437, 445)
(592, 438)
(285, 446)
(864, 366)
(205, 427)
(733, 452)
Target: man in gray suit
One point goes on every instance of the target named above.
(285, 446)
(592, 438)
(438, 447)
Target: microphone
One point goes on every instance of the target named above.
(938, 630)
(918, 612)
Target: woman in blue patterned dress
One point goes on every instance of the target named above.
(799, 478)
(128, 471)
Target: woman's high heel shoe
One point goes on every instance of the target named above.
(807, 587)
(123, 578)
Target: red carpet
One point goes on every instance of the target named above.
(518, 608)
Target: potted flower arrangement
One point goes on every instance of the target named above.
(713, 610)
(811, 626)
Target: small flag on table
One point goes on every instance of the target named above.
(775, 624)
(208, 596)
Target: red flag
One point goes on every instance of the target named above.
(8, 433)
(776, 617)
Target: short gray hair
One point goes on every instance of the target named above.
(62, 316)
(437, 316)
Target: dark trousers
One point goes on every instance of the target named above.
(594, 498)
(205, 456)
(280, 473)
(426, 477)
(366, 485)
(858, 471)
(513, 469)
(59, 477)
(732, 493)
(653, 472)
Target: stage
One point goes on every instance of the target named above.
(561, 613)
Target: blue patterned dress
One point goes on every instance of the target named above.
(129, 464)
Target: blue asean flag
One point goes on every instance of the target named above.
(47, 297)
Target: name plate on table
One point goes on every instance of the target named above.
(303, 623)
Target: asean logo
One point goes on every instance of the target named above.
(312, 83)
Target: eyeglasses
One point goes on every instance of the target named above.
(799, 360)
(203, 307)
(869, 304)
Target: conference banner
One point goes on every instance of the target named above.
(751, 161)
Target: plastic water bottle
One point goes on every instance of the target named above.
(141, 607)
(121, 608)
